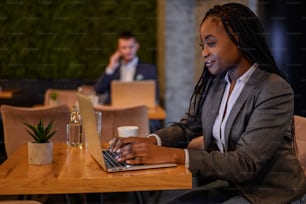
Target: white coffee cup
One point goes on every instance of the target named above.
(127, 131)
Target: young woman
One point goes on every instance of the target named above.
(243, 108)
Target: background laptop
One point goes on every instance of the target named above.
(94, 144)
(133, 93)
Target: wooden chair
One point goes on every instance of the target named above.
(113, 117)
(64, 96)
(13, 118)
(196, 143)
(86, 90)
(300, 139)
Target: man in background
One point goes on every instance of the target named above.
(125, 65)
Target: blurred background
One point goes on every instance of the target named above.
(67, 43)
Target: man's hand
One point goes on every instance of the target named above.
(114, 61)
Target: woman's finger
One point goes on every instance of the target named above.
(126, 156)
(112, 143)
(137, 160)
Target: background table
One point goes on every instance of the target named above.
(6, 94)
(74, 171)
(156, 113)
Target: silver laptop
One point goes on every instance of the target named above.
(104, 158)
(133, 93)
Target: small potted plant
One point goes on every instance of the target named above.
(53, 98)
(40, 150)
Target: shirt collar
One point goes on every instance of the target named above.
(132, 63)
(245, 77)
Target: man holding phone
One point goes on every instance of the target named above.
(124, 65)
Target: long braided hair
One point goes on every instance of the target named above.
(237, 19)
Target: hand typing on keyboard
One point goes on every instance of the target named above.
(143, 150)
(111, 158)
(117, 143)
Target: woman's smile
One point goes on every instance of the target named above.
(209, 63)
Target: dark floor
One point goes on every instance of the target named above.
(152, 197)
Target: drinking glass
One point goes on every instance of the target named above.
(99, 122)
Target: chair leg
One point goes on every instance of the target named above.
(94, 198)
(24, 197)
(139, 196)
(21, 197)
(67, 199)
(28, 197)
(156, 195)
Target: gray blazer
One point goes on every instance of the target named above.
(260, 158)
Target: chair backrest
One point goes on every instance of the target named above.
(114, 117)
(86, 90)
(300, 138)
(64, 96)
(13, 119)
(90, 92)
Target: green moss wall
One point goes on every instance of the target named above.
(70, 39)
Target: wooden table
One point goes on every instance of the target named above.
(74, 171)
(6, 94)
(156, 113)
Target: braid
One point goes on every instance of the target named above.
(196, 101)
(199, 94)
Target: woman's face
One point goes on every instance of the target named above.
(219, 52)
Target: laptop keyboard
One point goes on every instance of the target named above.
(110, 159)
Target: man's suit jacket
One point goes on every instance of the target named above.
(142, 72)
(260, 158)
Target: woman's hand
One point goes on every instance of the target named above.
(118, 142)
(148, 153)
(143, 150)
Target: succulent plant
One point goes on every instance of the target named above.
(40, 133)
(53, 95)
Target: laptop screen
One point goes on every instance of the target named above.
(90, 129)
(133, 93)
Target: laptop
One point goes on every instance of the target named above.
(105, 158)
(133, 93)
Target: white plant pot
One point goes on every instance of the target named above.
(53, 102)
(40, 153)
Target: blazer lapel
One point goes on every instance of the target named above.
(117, 74)
(211, 106)
(255, 80)
(137, 72)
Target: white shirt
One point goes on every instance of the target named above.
(227, 104)
(127, 71)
